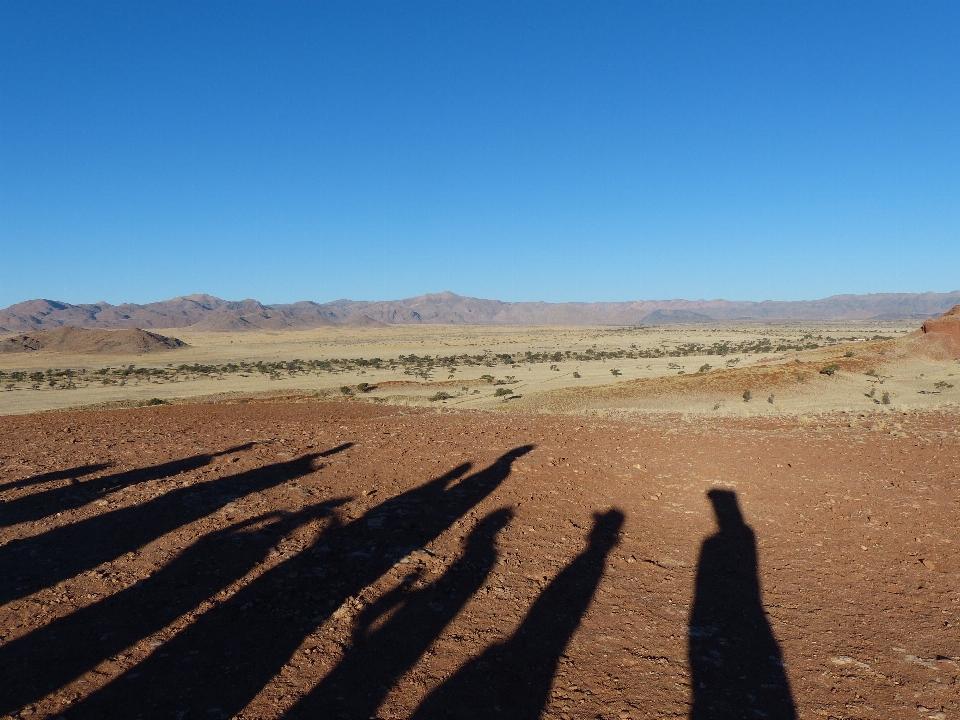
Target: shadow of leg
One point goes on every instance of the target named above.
(513, 679)
(735, 661)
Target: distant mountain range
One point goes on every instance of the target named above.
(205, 312)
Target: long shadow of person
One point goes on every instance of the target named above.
(33, 563)
(360, 681)
(48, 502)
(512, 680)
(736, 665)
(45, 659)
(54, 475)
(217, 665)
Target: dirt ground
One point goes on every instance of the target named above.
(356, 560)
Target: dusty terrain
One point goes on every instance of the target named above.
(619, 370)
(317, 559)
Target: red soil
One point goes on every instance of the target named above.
(353, 560)
(946, 324)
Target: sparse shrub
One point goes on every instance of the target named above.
(885, 399)
(873, 391)
(747, 395)
(576, 375)
(554, 367)
(942, 385)
(8, 386)
(155, 401)
(500, 392)
(801, 377)
(717, 406)
(770, 399)
(829, 369)
(615, 372)
(442, 396)
(706, 367)
(732, 362)
(848, 354)
(488, 378)
(872, 372)
(363, 387)
(346, 390)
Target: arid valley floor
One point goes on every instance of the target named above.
(330, 523)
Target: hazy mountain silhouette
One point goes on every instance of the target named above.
(210, 313)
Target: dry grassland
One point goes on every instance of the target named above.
(563, 369)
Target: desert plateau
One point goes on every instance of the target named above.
(738, 519)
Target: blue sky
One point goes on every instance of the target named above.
(515, 150)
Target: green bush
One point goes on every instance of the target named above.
(442, 396)
(747, 395)
(705, 368)
(829, 369)
(155, 401)
(345, 389)
(500, 392)
(363, 387)
(576, 375)
(885, 399)
(615, 372)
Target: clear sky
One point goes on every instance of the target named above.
(512, 150)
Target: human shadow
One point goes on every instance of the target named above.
(217, 665)
(359, 683)
(55, 475)
(511, 680)
(33, 563)
(47, 658)
(49, 502)
(736, 665)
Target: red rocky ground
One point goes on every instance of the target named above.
(276, 559)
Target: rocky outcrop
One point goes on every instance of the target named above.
(946, 324)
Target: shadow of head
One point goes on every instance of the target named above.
(606, 528)
(495, 473)
(516, 453)
(726, 508)
(334, 451)
(488, 528)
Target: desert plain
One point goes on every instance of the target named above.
(706, 521)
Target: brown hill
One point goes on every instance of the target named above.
(206, 312)
(946, 324)
(252, 315)
(938, 338)
(93, 342)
